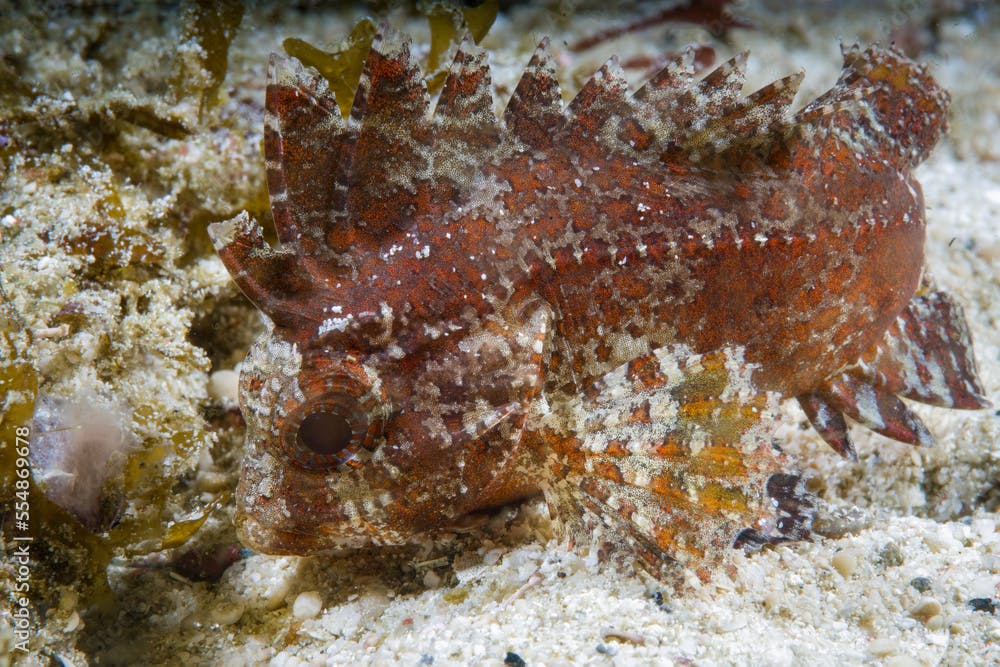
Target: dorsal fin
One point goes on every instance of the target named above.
(677, 118)
(603, 100)
(722, 86)
(392, 153)
(603, 95)
(274, 280)
(535, 109)
(603, 92)
(466, 131)
(831, 103)
(883, 104)
(692, 108)
(677, 75)
(304, 141)
(746, 123)
(761, 112)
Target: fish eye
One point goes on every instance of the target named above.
(331, 432)
(325, 433)
(336, 421)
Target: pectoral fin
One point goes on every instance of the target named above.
(667, 460)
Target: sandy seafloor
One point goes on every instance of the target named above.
(904, 518)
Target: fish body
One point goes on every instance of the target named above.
(602, 302)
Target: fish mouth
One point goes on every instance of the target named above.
(266, 537)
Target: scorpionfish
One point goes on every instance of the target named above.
(601, 302)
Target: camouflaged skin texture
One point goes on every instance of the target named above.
(603, 302)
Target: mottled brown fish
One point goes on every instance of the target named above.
(602, 303)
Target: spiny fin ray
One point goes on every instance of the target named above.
(272, 279)
(304, 140)
(747, 124)
(390, 110)
(535, 108)
(677, 75)
(465, 128)
(600, 116)
(725, 82)
(690, 109)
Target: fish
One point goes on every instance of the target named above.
(603, 302)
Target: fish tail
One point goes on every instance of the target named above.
(886, 102)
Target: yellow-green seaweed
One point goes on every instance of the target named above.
(212, 24)
(448, 25)
(341, 67)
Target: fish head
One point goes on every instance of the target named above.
(351, 446)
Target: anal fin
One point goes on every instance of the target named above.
(925, 355)
(876, 409)
(829, 422)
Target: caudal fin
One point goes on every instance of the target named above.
(885, 102)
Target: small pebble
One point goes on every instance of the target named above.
(925, 609)
(989, 251)
(626, 637)
(902, 661)
(983, 604)
(922, 584)
(212, 482)
(431, 579)
(68, 600)
(223, 385)
(227, 612)
(492, 557)
(983, 587)
(845, 562)
(935, 623)
(991, 562)
(660, 602)
(890, 555)
(883, 647)
(308, 604)
(192, 621)
(513, 660)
